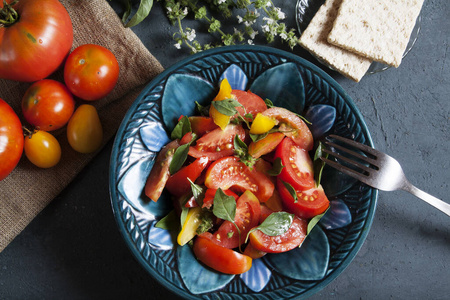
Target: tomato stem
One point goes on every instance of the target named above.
(8, 15)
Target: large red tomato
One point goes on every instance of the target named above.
(91, 72)
(48, 104)
(11, 139)
(34, 44)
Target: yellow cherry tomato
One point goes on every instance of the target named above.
(189, 229)
(42, 149)
(84, 130)
(262, 124)
(220, 119)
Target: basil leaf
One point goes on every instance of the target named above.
(179, 157)
(169, 222)
(198, 192)
(224, 206)
(313, 222)
(276, 167)
(291, 190)
(318, 164)
(184, 213)
(144, 9)
(277, 223)
(183, 126)
(257, 137)
(269, 103)
(226, 107)
(127, 12)
(241, 151)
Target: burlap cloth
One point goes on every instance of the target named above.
(28, 189)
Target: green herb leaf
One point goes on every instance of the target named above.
(144, 9)
(169, 222)
(257, 137)
(179, 157)
(291, 190)
(224, 206)
(198, 192)
(318, 164)
(227, 106)
(202, 110)
(184, 213)
(127, 12)
(241, 151)
(269, 103)
(207, 222)
(276, 167)
(183, 126)
(313, 222)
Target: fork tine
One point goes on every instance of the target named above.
(353, 153)
(350, 161)
(357, 145)
(355, 174)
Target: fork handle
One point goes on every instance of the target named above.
(438, 203)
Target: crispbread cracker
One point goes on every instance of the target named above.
(314, 39)
(379, 30)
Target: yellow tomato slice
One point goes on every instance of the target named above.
(220, 119)
(189, 229)
(262, 124)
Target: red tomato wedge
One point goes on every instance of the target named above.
(248, 211)
(292, 126)
(252, 103)
(292, 238)
(178, 183)
(201, 125)
(220, 258)
(160, 172)
(309, 204)
(217, 143)
(266, 145)
(298, 168)
(230, 173)
(209, 197)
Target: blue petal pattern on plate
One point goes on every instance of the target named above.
(197, 278)
(153, 136)
(309, 262)
(159, 238)
(337, 216)
(258, 276)
(322, 117)
(236, 77)
(283, 85)
(290, 82)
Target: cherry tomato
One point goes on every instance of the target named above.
(309, 204)
(292, 238)
(48, 105)
(178, 183)
(36, 41)
(252, 103)
(298, 167)
(42, 149)
(160, 172)
(265, 145)
(91, 72)
(220, 258)
(292, 126)
(217, 143)
(84, 131)
(248, 211)
(11, 139)
(230, 173)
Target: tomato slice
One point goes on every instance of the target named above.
(265, 145)
(230, 173)
(248, 211)
(252, 103)
(292, 126)
(209, 197)
(178, 183)
(220, 258)
(217, 143)
(201, 125)
(298, 168)
(253, 252)
(292, 238)
(160, 172)
(309, 203)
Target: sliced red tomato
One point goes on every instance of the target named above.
(252, 103)
(201, 125)
(298, 168)
(187, 138)
(292, 238)
(217, 143)
(209, 197)
(160, 172)
(230, 173)
(220, 258)
(309, 204)
(292, 126)
(178, 183)
(248, 211)
(266, 145)
(253, 252)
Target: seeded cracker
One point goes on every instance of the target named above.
(379, 30)
(314, 39)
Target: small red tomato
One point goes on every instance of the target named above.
(42, 149)
(91, 72)
(11, 139)
(47, 104)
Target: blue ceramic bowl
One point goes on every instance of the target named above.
(288, 81)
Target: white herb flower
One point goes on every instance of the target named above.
(177, 45)
(190, 35)
(284, 36)
(185, 11)
(265, 28)
(268, 21)
(250, 42)
(281, 15)
(221, 1)
(239, 18)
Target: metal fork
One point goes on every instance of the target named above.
(375, 169)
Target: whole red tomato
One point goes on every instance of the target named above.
(91, 72)
(35, 42)
(11, 139)
(47, 104)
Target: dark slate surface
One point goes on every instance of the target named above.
(73, 249)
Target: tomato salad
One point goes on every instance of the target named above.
(241, 179)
